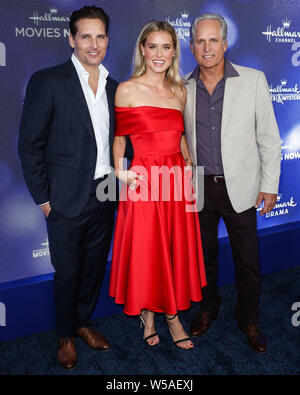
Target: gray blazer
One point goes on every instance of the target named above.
(250, 141)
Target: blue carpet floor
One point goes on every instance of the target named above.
(223, 350)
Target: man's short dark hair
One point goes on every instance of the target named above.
(90, 12)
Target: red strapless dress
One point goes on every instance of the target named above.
(157, 261)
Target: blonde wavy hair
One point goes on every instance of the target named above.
(139, 65)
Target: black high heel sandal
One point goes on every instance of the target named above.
(180, 340)
(143, 323)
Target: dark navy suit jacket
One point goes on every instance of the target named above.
(57, 144)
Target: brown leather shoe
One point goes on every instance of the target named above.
(201, 323)
(93, 339)
(66, 353)
(255, 338)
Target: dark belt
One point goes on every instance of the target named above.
(219, 178)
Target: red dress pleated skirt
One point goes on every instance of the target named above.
(157, 261)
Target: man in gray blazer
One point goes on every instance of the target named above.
(231, 130)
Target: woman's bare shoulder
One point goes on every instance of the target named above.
(125, 93)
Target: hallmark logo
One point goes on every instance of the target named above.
(280, 34)
(42, 251)
(286, 23)
(182, 26)
(282, 93)
(2, 54)
(283, 82)
(51, 31)
(48, 17)
(281, 207)
(2, 314)
(184, 15)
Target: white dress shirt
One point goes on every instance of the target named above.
(99, 113)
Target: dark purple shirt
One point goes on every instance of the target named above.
(209, 119)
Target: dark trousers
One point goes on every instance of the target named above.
(79, 248)
(242, 232)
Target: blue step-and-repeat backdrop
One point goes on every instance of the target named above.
(264, 34)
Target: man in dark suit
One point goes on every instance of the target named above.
(65, 146)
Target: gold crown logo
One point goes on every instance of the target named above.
(53, 10)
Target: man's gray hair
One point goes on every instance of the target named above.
(204, 17)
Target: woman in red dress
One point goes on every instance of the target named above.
(157, 264)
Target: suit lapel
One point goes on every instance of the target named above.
(110, 93)
(231, 94)
(76, 96)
